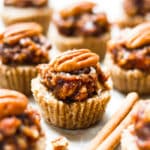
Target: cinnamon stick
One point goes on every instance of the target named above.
(118, 116)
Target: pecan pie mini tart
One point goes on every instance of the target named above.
(134, 12)
(78, 26)
(20, 127)
(22, 47)
(72, 90)
(128, 60)
(26, 11)
(137, 134)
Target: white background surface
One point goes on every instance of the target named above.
(79, 139)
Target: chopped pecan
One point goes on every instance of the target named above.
(78, 8)
(9, 125)
(74, 60)
(60, 143)
(139, 36)
(12, 102)
(21, 30)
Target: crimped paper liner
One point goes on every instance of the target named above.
(17, 78)
(12, 15)
(128, 140)
(95, 44)
(128, 80)
(70, 116)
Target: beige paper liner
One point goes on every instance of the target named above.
(95, 44)
(17, 78)
(70, 116)
(128, 140)
(128, 80)
(13, 15)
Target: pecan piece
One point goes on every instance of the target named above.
(21, 30)
(12, 102)
(60, 143)
(139, 36)
(76, 9)
(75, 60)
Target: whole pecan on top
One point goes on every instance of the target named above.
(75, 60)
(17, 31)
(78, 8)
(12, 103)
(138, 36)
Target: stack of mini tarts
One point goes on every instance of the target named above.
(128, 60)
(137, 134)
(22, 47)
(72, 90)
(19, 125)
(78, 26)
(134, 13)
(15, 11)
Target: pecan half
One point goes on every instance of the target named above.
(139, 36)
(76, 9)
(75, 60)
(12, 102)
(21, 30)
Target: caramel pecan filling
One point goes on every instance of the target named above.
(23, 44)
(141, 120)
(133, 52)
(80, 20)
(136, 7)
(26, 3)
(76, 83)
(20, 132)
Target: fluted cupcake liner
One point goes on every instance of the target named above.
(14, 15)
(17, 78)
(69, 115)
(96, 44)
(128, 80)
(128, 141)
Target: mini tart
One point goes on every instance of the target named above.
(77, 26)
(72, 90)
(136, 136)
(27, 11)
(134, 13)
(19, 125)
(128, 60)
(22, 47)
